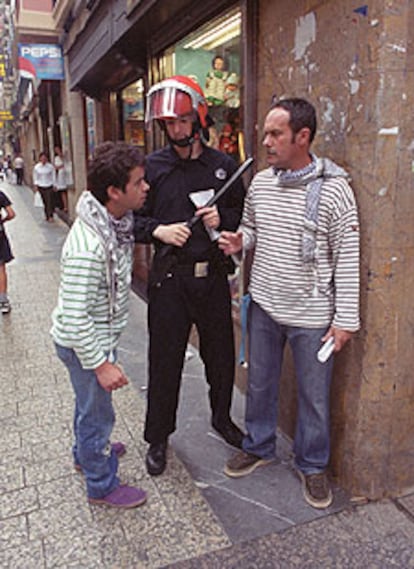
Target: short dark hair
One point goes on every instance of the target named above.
(302, 114)
(111, 165)
(216, 57)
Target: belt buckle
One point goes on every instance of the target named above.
(201, 269)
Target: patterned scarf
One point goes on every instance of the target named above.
(113, 233)
(312, 176)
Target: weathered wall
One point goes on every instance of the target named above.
(357, 67)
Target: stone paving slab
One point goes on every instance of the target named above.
(195, 517)
(376, 536)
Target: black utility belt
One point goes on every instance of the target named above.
(198, 269)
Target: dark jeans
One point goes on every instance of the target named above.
(267, 341)
(179, 302)
(48, 200)
(19, 176)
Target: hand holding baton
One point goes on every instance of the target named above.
(165, 258)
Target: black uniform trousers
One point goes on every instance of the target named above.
(174, 306)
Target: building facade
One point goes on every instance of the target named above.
(355, 63)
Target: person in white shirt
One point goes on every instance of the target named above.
(44, 180)
(61, 182)
(19, 168)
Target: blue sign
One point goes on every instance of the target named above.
(44, 60)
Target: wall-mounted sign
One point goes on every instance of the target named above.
(6, 116)
(41, 61)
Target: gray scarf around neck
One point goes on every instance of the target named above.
(312, 176)
(113, 233)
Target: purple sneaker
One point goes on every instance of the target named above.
(123, 496)
(118, 447)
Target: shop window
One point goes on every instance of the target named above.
(133, 113)
(212, 56)
(91, 125)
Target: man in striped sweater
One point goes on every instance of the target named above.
(92, 312)
(301, 218)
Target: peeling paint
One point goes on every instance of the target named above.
(305, 34)
(396, 47)
(353, 86)
(327, 115)
(393, 131)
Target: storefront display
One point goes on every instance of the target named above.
(133, 113)
(91, 124)
(211, 56)
(66, 142)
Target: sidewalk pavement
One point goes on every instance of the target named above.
(195, 516)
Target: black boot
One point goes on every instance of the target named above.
(229, 431)
(156, 459)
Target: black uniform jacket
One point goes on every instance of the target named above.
(171, 180)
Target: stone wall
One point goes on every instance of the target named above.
(355, 64)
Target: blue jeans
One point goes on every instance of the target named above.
(267, 341)
(93, 422)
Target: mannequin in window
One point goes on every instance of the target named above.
(216, 82)
(232, 92)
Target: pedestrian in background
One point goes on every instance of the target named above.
(195, 289)
(61, 183)
(6, 214)
(44, 180)
(301, 218)
(19, 168)
(8, 168)
(92, 312)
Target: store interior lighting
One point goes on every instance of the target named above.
(220, 34)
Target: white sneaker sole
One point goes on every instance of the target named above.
(240, 473)
(318, 504)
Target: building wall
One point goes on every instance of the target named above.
(356, 66)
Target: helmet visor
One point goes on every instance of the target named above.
(167, 103)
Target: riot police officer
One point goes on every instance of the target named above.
(194, 289)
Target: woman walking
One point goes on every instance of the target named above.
(44, 180)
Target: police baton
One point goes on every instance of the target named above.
(213, 200)
(165, 258)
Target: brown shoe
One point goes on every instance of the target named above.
(244, 463)
(316, 489)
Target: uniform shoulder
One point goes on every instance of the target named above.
(218, 159)
(159, 156)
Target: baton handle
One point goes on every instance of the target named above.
(235, 176)
(167, 249)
